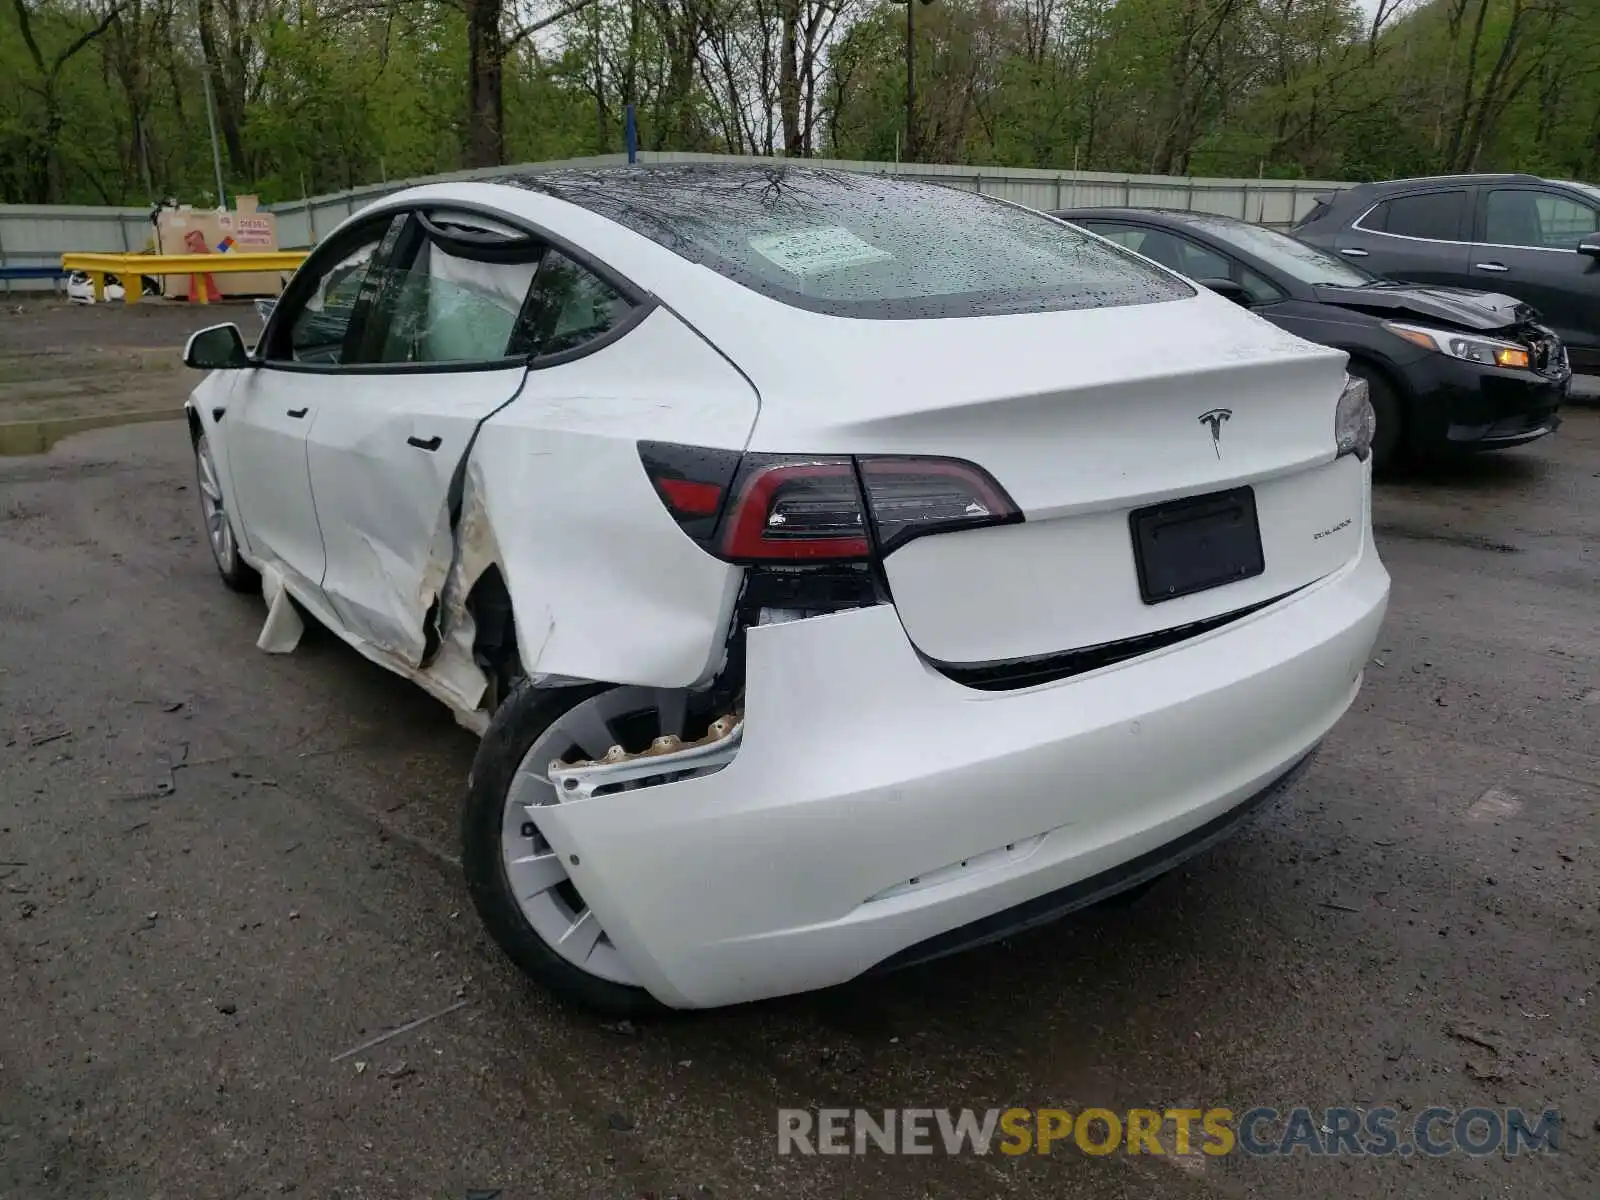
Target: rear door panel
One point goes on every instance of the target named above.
(381, 458)
(385, 454)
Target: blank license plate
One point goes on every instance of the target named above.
(1186, 546)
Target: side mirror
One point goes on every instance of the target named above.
(219, 348)
(1227, 289)
(1590, 245)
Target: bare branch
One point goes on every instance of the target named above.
(561, 14)
(86, 37)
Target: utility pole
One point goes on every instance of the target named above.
(211, 107)
(216, 152)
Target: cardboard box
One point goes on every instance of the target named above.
(208, 231)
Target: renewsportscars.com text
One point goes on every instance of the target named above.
(1262, 1131)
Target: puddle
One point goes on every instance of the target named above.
(36, 437)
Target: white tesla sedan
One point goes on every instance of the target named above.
(840, 571)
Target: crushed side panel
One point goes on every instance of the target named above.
(604, 584)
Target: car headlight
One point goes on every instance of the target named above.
(1354, 422)
(1491, 352)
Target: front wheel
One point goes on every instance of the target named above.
(236, 573)
(520, 886)
(1389, 423)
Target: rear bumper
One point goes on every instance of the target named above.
(875, 804)
(1052, 906)
(1460, 406)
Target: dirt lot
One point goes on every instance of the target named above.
(62, 361)
(221, 872)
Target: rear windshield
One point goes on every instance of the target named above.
(862, 245)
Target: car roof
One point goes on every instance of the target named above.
(1174, 216)
(628, 193)
(1384, 185)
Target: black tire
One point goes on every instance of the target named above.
(237, 574)
(243, 578)
(525, 714)
(1389, 436)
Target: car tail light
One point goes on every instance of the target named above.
(819, 509)
(796, 510)
(692, 481)
(909, 497)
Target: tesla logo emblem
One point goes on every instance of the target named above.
(1214, 420)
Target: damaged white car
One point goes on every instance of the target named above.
(840, 570)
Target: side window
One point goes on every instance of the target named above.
(444, 307)
(317, 328)
(568, 307)
(1433, 216)
(1521, 217)
(1120, 234)
(1200, 262)
(1185, 256)
(1197, 262)
(1261, 292)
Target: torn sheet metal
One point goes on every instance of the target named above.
(383, 463)
(283, 628)
(668, 758)
(415, 506)
(471, 551)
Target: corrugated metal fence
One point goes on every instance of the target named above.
(37, 235)
(32, 235)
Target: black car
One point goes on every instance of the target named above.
(1449, 369)
(1535, 239)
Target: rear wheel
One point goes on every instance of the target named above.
(236, 573)
(521, 887)
(1389, 434)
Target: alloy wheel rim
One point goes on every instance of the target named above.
(537, 875)
(212, 509)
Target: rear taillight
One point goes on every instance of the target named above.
(795, 509)
(692, 481)
(801, 509)
(909, 497)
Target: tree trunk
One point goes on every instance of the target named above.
(630, 67)
(913, 134)
(1464, 111)
(680, 33)
(789, 78)
(602, 122)
(42, 171)
(46, 165)
(486, 136)
(230, 104)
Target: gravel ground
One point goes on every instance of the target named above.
(220, 871)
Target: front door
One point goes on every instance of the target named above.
(1528, 248)
(272, 408)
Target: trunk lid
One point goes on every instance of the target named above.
(1083, 417)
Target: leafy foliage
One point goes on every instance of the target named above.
(106, 99)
